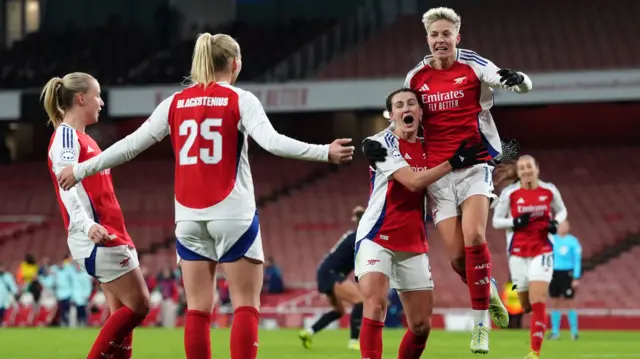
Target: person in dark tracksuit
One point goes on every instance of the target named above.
(332, 281)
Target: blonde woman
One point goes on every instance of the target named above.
(216, 217)
(97, 237)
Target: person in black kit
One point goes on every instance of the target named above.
(332, 281)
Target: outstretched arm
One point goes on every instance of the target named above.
(511, 80)
(257, 125)
(152, 131)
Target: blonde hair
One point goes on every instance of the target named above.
(210, 54)
(58, 94)
(441, 13)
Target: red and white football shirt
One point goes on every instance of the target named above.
(395, 216)
(456, 104)
(543, 203)
(91, 201)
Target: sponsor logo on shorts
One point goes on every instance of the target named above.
(371, 262)
(124, 263)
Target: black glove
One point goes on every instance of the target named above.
(510, 150)
(467, 156)
(522, 221)
(510, 77)
(373, 151)
(553, 226)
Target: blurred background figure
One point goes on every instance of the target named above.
(567, 270)
(166, 284)
(63, 282)
(273, 281)
(8, 290)
(81, 289)
(512, 302)
(395, 313)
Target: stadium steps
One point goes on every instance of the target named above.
(611, 252)
(289, 188)
(12, 227)
(367, 20)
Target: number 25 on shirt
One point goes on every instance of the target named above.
(206, 131)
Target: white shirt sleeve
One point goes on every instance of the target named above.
(557, 204)
(407, 80)
(394, 160)
(501, 216)
(152, 131)
(255, 123)
(489, 75)
(65, 151)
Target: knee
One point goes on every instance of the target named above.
(475, 237)
(420, 326)
(142, 306)
(376, 307)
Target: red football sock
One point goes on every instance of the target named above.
(244, 333)
(197, 335)
(538, 325)
(412, 345)
(118, 326)
(478, 263)
(124, 350)
(371, 339)
(461, 272)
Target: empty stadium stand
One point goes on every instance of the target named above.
(531, 36)
(261, 46)
(148, 60)
(42, 55)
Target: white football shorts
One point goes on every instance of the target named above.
(219, 240)
(447, 194)
(406, 271)
(107, 264)
(530, 269)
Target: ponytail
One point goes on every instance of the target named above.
(50, 94)
(202, 67)
(58, 94)
(212, 53)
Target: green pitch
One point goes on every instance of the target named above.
(34, 343)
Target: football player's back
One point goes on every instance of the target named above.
(210, 147)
